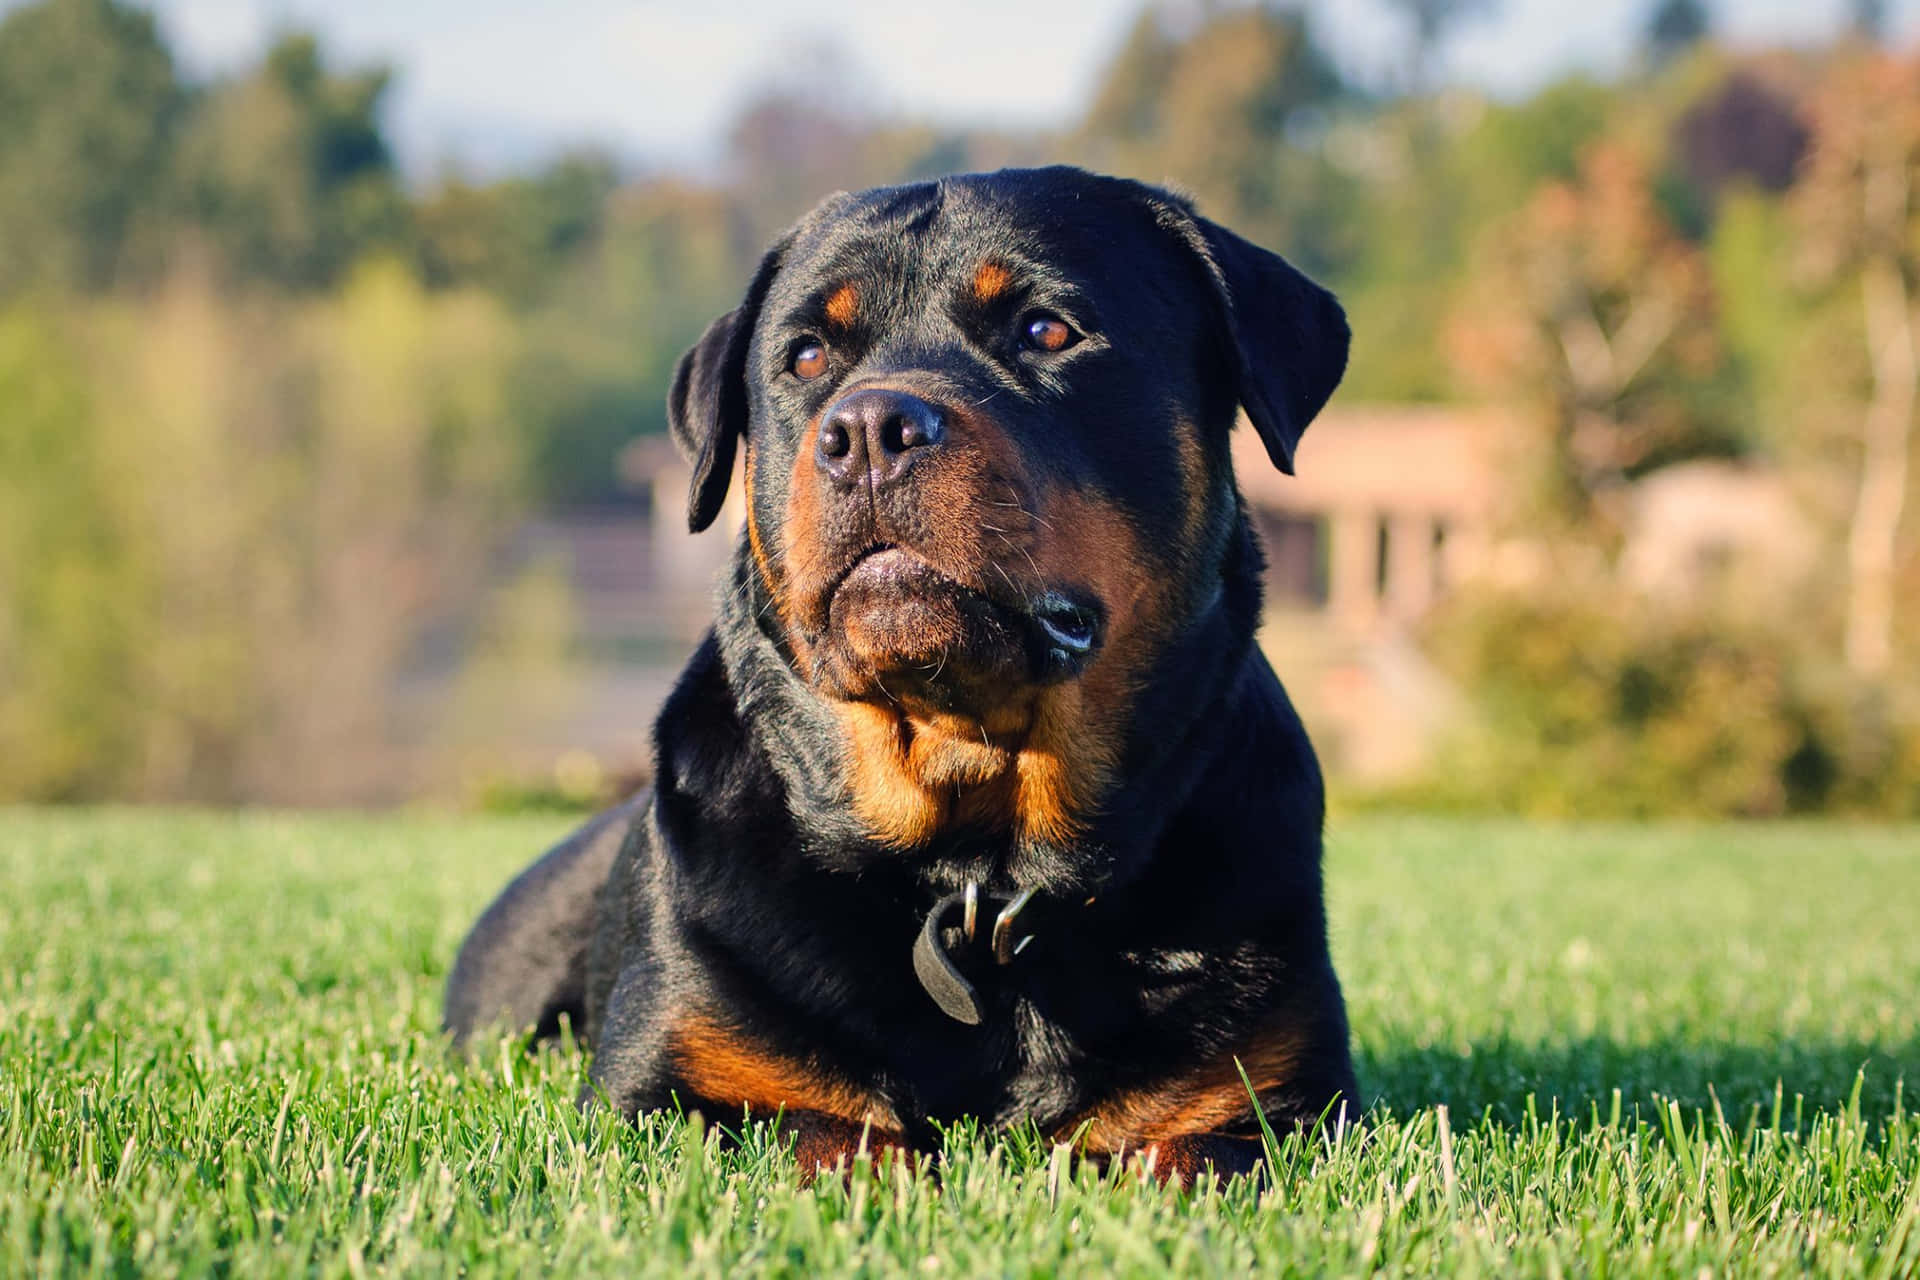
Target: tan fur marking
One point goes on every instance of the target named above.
(799, 534)
(753, 524)
(991, 281)
(720, 1065)
(1199, 1101)
(894, 804)
(1193, 482)
(843, 306)
(953, 751)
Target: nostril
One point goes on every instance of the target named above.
(912, 430)
(835, 440)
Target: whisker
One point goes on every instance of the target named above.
(1016, 505)
(1037, 575)
(1031, 564)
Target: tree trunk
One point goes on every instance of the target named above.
(1887, 436)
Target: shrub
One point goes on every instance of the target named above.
(1614, 706)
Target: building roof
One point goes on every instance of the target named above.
(1436, 460)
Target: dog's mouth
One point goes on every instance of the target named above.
(880, 561)
(897, 621)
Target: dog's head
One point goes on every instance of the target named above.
(987, 469)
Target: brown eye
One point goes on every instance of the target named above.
(809, 361)
(1044, 332)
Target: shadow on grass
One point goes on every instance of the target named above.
(1499, 1077)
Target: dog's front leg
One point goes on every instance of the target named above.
(825, 1145)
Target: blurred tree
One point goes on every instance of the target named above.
(1435, 186)
(1859, 219)
(66, 640)
(88, 110)
(513, 237)
(1741, 133)
(820, 125)
(790, 148)
(1234, 111)
(1126, 101)
(602, 342)
(1764, 319)
(1589, 309)
(1867, 20)
(287, 172)
(225, 526)
(1674, 28)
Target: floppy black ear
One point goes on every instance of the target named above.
(707, 405)
(1288, 335)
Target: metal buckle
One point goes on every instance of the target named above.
(1004, 947)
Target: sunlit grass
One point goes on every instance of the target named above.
(1588, 1049)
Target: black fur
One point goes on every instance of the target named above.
(747, 883)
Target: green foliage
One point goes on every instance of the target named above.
(509, 237)
(1594, 706)
(88, 111)
(1234, 110)
(1763, 317)
(286, 173)
(66, 640)
(188, 556)
(1448, 176)
(601, 348)
(1661, 1051)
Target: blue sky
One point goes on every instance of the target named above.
(497, 83)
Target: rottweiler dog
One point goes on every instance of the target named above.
(978, 800)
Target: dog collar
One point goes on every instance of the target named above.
(952, 929)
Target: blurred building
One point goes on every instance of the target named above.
(1388, 508)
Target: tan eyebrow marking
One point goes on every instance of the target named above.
(843, 305)
(990, 281)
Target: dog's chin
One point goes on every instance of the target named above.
(899, 629)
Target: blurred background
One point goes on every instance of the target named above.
(334, 339)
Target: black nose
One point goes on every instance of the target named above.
(879, 432)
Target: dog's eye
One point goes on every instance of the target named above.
(1044, 331)
(809, 360)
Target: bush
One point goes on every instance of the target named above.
(1619, 707)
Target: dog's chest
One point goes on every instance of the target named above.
(1042, 1055)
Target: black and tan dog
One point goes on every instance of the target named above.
(978, 799)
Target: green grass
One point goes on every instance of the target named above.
(1590, 1050)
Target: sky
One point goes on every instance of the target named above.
(491, 85)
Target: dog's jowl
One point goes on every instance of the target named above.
(978, 799)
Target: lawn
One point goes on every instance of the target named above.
(1590, 1050)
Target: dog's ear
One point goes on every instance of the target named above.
(1286, 336)
(707, 406)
